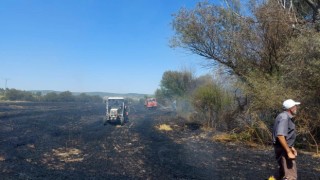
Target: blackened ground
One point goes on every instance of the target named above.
(69, 141)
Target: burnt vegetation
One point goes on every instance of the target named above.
(67, 140)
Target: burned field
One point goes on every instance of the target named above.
(69, 141)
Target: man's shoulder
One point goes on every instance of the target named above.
(283, 115)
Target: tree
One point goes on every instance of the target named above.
(51, 97)
(18, 95)
(13, 95)
(249, 45)
(83, 97)
(175, 83)
(96, 99)
(66, 96)
(240, 43)
(303, 75)
(271, 47)
(161, 96)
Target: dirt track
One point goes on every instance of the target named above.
(69, 141)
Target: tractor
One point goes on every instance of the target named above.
(116, 110)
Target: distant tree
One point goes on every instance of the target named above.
(141, 101)
(18, 95)
(13, 94)
(96, 99)
(66, 96)
(175, 83)
(38, 93)
(83, 97)
(51, 97)
(162, 96)
(28, 96)
(38, 96)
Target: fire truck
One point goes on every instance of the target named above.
(151, 103)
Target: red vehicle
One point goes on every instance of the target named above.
(151, 103)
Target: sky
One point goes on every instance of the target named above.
(116, 46)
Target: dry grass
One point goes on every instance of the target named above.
(253, 145)
(164, 127)
(224, 137)
(316, 155)
(206, 128)
(68, 155)
(63, 155)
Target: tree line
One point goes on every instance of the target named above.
(66, 96)
(270, 50)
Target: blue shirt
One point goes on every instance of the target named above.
(284, 126)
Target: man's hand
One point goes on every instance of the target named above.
(291, 152)
(291, 155)
(294, 151)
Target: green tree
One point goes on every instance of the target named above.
(18, 95)
(51, 97)
(175, 83)
(38, 96)
(210, 100)
(13, 94)
(66, 96)
(96, 99)
(83, 97)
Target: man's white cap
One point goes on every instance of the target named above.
(289, 103)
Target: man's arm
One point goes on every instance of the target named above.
(284, 144)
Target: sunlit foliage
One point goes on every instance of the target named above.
(272, 47)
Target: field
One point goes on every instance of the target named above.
(70, 141)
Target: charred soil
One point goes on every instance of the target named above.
(70, 141)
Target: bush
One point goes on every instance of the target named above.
(17, 95)
(212, 102)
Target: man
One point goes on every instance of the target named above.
(283, 136)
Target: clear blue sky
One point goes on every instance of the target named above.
(118, 46)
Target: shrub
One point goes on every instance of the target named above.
(211, 101)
